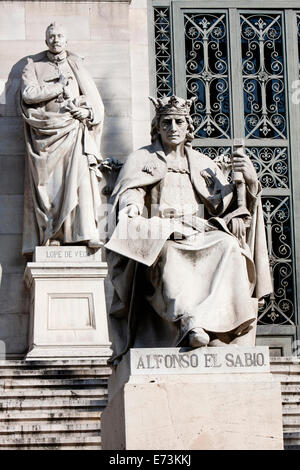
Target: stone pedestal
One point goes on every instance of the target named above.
(204, 399)
(67, 308)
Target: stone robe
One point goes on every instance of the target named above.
(61, 197)
(206, 280)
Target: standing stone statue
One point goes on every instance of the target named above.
(63, 114)
(205, 287)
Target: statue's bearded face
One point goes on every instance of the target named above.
(173, 129)
(56, 40)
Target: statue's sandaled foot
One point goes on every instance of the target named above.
(198, 337)
(54, 243)
(95, 244)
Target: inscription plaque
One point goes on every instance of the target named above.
(66, 254)
(202, 360)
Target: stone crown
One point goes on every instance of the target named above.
(172, 105)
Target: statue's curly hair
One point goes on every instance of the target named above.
(189, 136)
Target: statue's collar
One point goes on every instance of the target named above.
(57, 58)
(152, 165)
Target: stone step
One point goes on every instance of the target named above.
(41, 427)
(80, 435)
(45, 383)
(51, 403)
(291, 410)
(35, 393)
(292, 438)
(284, 359)
(54, 442)
(290, 399)
(38, 415)
(58, 404)
(287, 389)
(284, 365)
(290, 430)
(291, 370)
(287, 379)
(63, 364)
(291, 422)
(59, 373)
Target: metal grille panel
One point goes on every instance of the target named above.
(279, 308)
(163, 54)
(207, 73)
(241, 92)
(263, 76)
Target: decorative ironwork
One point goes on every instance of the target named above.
(207, 76)
(271, 165)
(279, 307)
(221, 156)
(263, 76)
(163, 52)
(214, 152)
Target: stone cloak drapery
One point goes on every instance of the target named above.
(145, 314)
(61, 171)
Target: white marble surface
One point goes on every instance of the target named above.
(68, 312)
(195, 412)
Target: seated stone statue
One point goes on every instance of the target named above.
(203, 288)
(63, 114)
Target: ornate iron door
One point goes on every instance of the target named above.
(242, 65)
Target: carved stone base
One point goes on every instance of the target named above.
(68, 312)
(167, 402)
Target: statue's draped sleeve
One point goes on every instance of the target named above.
(135, 196)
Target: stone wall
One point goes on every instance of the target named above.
(112, 37)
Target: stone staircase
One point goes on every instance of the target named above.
(288, 371)
(52, 404)
(58, 404)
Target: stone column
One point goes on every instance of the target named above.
(67, 304)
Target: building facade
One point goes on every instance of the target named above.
(240, 59)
